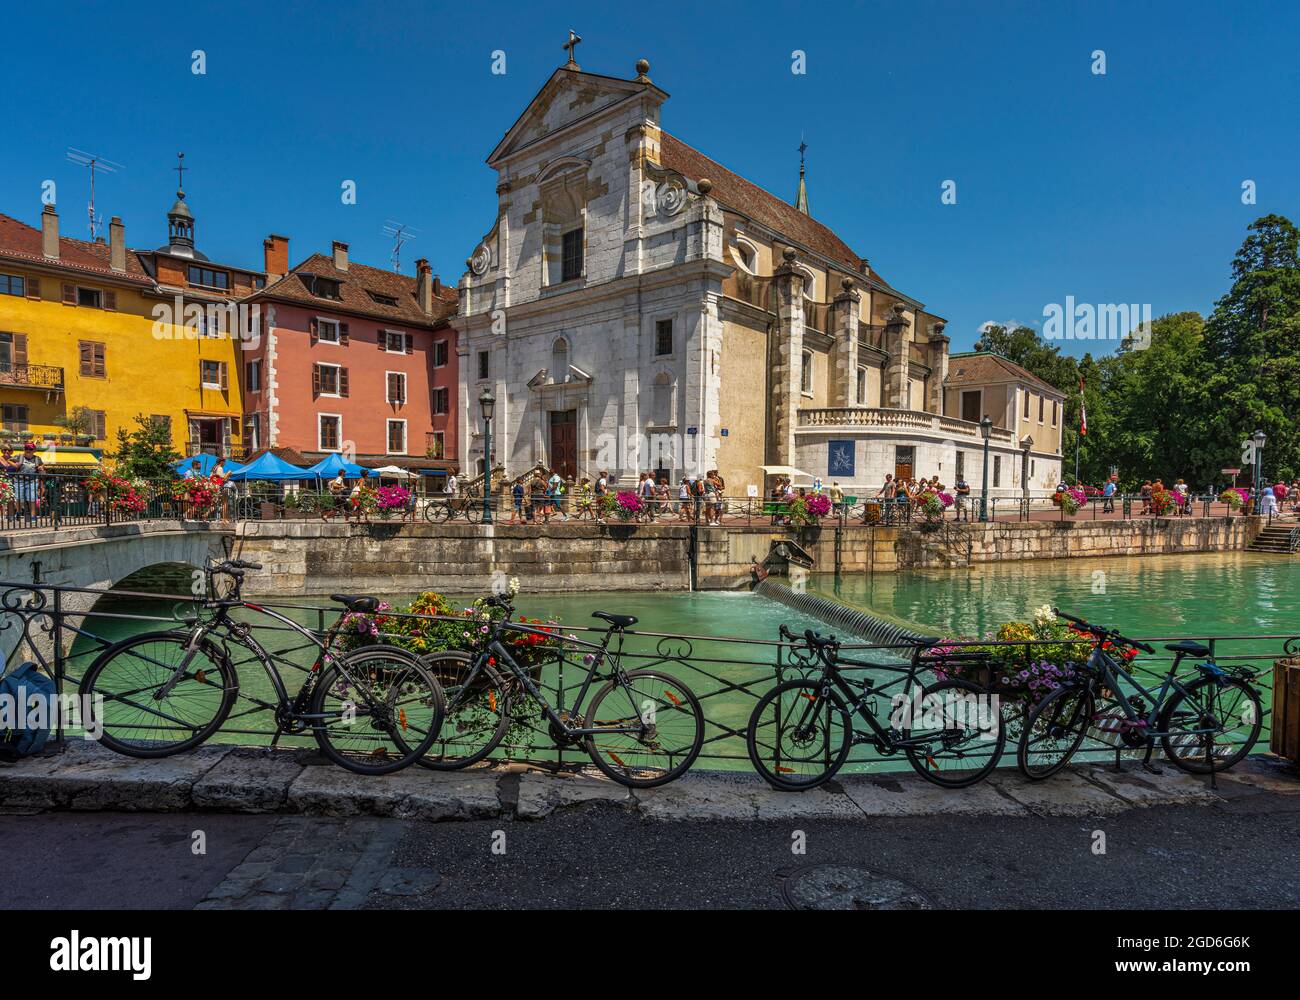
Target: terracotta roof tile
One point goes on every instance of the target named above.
(750, 200)
(20, 241)
(984, 369)
(355, 286)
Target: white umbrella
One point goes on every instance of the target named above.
(393, 472)
(784, 470)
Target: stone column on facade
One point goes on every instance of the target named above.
(637, 139)
(711, 417)
(939, 367)
(788, 358)
(844, 352)
(632, 454)
(898, 342)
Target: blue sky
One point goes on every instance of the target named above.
(1117, 188)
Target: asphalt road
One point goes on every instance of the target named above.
(1240, 854)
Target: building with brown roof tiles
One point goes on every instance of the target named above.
(636, 306)
(355, 360)
(94, 335)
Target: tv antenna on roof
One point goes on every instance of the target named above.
(93, 162)
(400, 233)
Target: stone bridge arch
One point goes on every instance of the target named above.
(97, 557)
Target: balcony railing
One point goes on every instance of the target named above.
(47, 377)
(894, 420)
(224, 449)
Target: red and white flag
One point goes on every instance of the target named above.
(1083, 411)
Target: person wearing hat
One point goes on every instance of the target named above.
(28, 472)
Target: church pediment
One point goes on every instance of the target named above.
(568, 97)
(577, 378)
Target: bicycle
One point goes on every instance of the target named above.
(810, 720)
(1185, 717)
(372, 710)
(642, 728)
(439, 510)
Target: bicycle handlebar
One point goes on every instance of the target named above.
(1103, 633)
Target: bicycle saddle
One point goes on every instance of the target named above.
(618, 621)
(1188, 648)
(357, 602)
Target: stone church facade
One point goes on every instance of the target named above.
(636, 306)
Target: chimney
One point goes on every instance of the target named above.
(50, 232)
(424, 286)
(275, 257)
(437, 286)
(116, 244)
(340, 256)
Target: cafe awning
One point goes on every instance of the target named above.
(65, 457)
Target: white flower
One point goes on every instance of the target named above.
(514, 585)
(1044, 615)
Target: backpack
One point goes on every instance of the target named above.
(18, 688)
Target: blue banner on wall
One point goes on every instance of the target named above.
(839, 459)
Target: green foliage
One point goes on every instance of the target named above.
(146, 452)
(1182, 403)
(80, 420)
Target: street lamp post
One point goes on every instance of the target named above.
(986, 426)
(1259, 438)
(1026, 444)
(487, 403)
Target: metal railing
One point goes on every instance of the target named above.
(64, 500)
(49, 377)
(52, 626)
(59, 499)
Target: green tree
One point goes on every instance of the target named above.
(1153, 397)
(146, 451)
(80, 420)
(1251, 369)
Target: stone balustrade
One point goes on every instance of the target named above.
(906, 420)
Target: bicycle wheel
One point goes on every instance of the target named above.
(797, 737)
(437, 511)
(1229, 709)
(672, 728)
(963, 723)
(1053, 732)
(477, 716)
(124, 684)
(376, 710)
(473, 510)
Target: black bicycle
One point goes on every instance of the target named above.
(801, 731)
(1204, 725)
(642, 727)
(372, 710)
(440, 509)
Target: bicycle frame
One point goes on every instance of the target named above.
(1106, 671)
(290, 708)
(496, 649)
(884, 739)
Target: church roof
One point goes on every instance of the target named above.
(752, 201)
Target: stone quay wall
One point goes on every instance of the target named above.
(314, 558)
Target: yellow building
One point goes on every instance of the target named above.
(93, 334)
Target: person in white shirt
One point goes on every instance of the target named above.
(453, 484)
(556, 485)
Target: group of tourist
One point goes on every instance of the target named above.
(905, 492)
(543, 494)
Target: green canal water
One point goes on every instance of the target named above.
(1211, 594)
(1184, 596)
